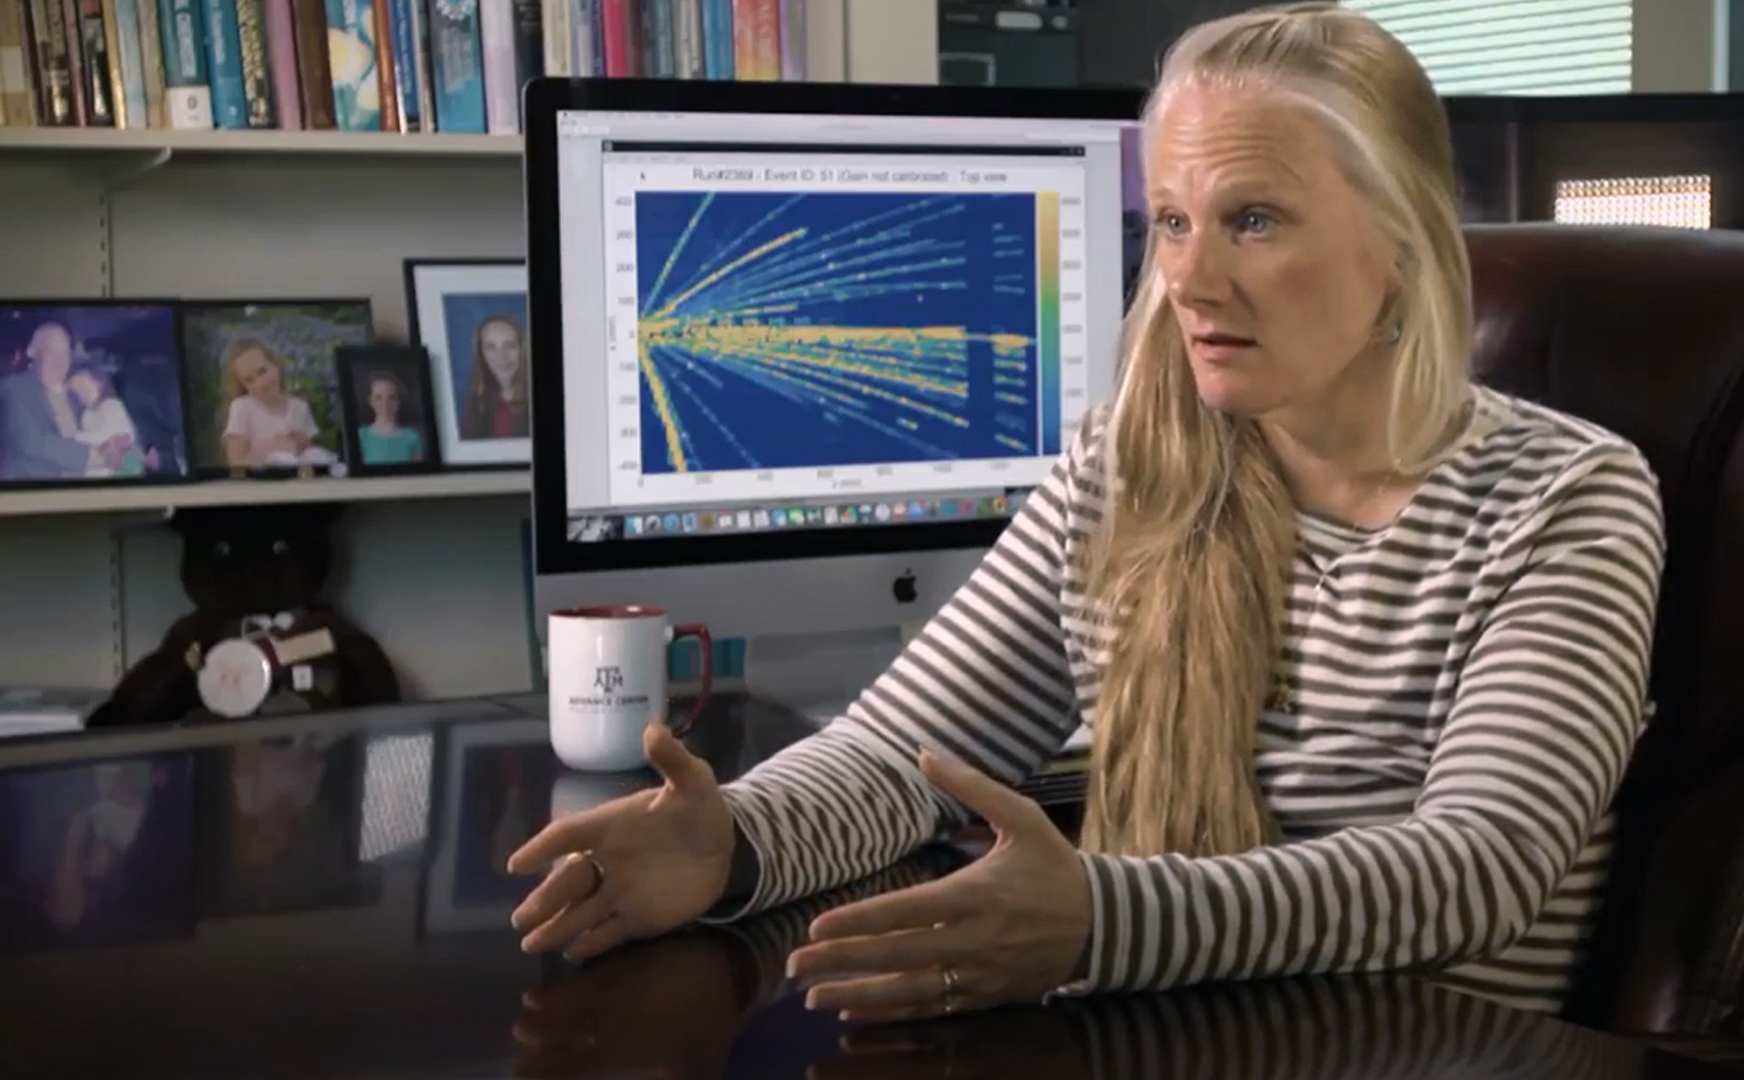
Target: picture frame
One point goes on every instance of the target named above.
(281, 824)
(98, 853)
(388, 408)
(92, 392)
(471, 315)
(242, 422)
(479, 820)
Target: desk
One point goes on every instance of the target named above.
(325, 903)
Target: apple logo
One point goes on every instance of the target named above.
(903, 588)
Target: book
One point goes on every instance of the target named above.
(254, 53)
(314, 75)
(402, 34)
(688, 44)
(757, 39)
(496, 36)
(717, 37)
(17, 108)
(386, 76)
(793, 40)
(187, 90)
(224, 65)
(281, 45)
(95, 63)
(457, 67)
(151, 63)
(41, 710)
(351, 60)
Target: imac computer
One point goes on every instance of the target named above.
(800, 350)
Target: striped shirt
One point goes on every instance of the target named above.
(1466, 686)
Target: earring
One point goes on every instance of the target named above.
(1398, 332)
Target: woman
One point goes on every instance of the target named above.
(496, 389)
(1363, 646)
(384, 440)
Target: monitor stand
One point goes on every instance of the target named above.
(820, 674)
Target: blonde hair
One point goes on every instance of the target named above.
(1190, 565)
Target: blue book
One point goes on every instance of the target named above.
(405, 41)
(130, 62)
(351, 59)
(659, 55)
(182, 34)
(456, 66)
(224, 62)
(597, 15)
(717, 34)
(182, 30)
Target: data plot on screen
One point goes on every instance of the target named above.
(781, 330)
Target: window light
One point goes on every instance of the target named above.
(1684, 202)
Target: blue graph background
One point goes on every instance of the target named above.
(795, 330)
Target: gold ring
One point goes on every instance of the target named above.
(599, 873)
(950, 979)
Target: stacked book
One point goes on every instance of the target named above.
(362, 65)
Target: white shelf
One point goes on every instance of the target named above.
(97, 141)
(450, 485)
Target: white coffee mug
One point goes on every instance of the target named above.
(607, 682)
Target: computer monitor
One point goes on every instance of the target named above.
(800, 350)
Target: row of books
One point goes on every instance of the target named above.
(362, 65)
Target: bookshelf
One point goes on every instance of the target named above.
(165, 497)
(433, 566)
(25, 141)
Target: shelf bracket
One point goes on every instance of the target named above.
(128, 175)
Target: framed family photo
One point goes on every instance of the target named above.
(263, 392)
(97, 854)
(389, 422)
(280, 825)
(91, 392)
(471, 315)
(493, 793)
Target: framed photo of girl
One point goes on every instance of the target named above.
(389, 424)
(471, 315)
(263, 387)
(91, 392)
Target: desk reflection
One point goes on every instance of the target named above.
(322, 899)
(713, 1003)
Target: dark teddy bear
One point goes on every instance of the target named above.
(252, 563)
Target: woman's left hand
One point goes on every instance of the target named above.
(1009, 927)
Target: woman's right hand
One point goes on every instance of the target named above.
(665, 855)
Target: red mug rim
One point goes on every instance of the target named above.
(611, 611)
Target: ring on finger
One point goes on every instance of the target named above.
(598, 872)
(949, 977)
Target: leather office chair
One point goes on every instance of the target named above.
(1641, 330)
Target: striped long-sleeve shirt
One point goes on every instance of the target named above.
(1466, 687)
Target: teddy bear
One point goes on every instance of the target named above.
(254, 574)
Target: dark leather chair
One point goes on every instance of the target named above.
(1641, 330)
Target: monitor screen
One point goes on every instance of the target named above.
(828, 323)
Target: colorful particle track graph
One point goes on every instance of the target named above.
(801, 330)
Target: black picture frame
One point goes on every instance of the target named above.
(140, 809)
(298, 849)
(427, 326)
(409, 366)
(193, 310)
(174, 438)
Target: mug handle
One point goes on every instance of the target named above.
(706, 643)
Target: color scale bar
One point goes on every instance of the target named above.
(1048, 317)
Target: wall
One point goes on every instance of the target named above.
(1680, 46)
(1121, 42)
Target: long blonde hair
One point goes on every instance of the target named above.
(1190, 565)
